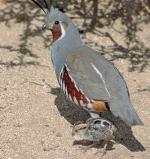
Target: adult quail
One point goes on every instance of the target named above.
(85, 76)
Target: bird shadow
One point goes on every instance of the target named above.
(71, 112)
(87, 144)
(124, 134)
(74, 113)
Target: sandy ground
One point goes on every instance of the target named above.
(35, 118)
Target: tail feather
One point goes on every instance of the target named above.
(126, 112)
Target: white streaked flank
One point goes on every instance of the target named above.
(61, 76)
(64, 87)
(84, 95)
(89, 105)
(70, 97)
(66, 92)
(101, 76)
(82, 104)
(75, 100)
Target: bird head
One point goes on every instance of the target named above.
(79, 131)
(55, 20)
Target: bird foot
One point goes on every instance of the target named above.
(94, 115)
(85, 148)
(103, 151)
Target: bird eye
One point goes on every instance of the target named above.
(56, 22)
(97, 122)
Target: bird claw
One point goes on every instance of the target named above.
(85, 148)
(103, 151)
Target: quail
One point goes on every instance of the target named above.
(95, 130)
(84, 75)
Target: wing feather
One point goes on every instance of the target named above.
(99, 79)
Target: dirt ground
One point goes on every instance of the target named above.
(35, 118)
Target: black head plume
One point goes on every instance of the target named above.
(60, 8)
(46, 4)
(39, 4)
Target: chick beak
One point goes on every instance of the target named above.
(73, 133)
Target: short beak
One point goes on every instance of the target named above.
(44, 27)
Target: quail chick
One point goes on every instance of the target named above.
(96, 130)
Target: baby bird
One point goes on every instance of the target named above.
(96, 130)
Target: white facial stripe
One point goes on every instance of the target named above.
(101, 76)
(62, 32)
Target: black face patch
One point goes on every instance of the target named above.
(97, 122)
(106, 124)
(83, 128)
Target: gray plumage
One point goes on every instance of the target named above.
(92, 73)
(107, 85)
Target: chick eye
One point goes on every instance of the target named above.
(56, 22)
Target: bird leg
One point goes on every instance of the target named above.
(94, 115)
(85, 148)
(103, 151)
